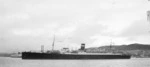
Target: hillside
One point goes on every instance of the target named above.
(4, 55)
(136, 50)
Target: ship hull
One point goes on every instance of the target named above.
(32, 55)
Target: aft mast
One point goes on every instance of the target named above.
(53, 43)
(111, 44)
(110, 47)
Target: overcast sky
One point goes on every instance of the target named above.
(28, 24)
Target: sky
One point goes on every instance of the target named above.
(27, 24)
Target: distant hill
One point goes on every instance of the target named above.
(134, 46)
(10, 54)
(136, 50)
(5, 55)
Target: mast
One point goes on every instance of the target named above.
(111, 44)
(148, 16)
(53, 43)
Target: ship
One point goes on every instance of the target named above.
(80, 54)
(66, 54)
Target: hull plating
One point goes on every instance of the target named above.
(31, 55)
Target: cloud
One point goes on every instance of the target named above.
(138, 28)
(31, 23)
(138, 32)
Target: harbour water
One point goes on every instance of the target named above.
(18, 62)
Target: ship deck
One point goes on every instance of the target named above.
(91, 53)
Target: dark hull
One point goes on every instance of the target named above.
(31, 55)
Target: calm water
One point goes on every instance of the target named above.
(17, 62)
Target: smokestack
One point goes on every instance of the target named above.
(82, 46)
